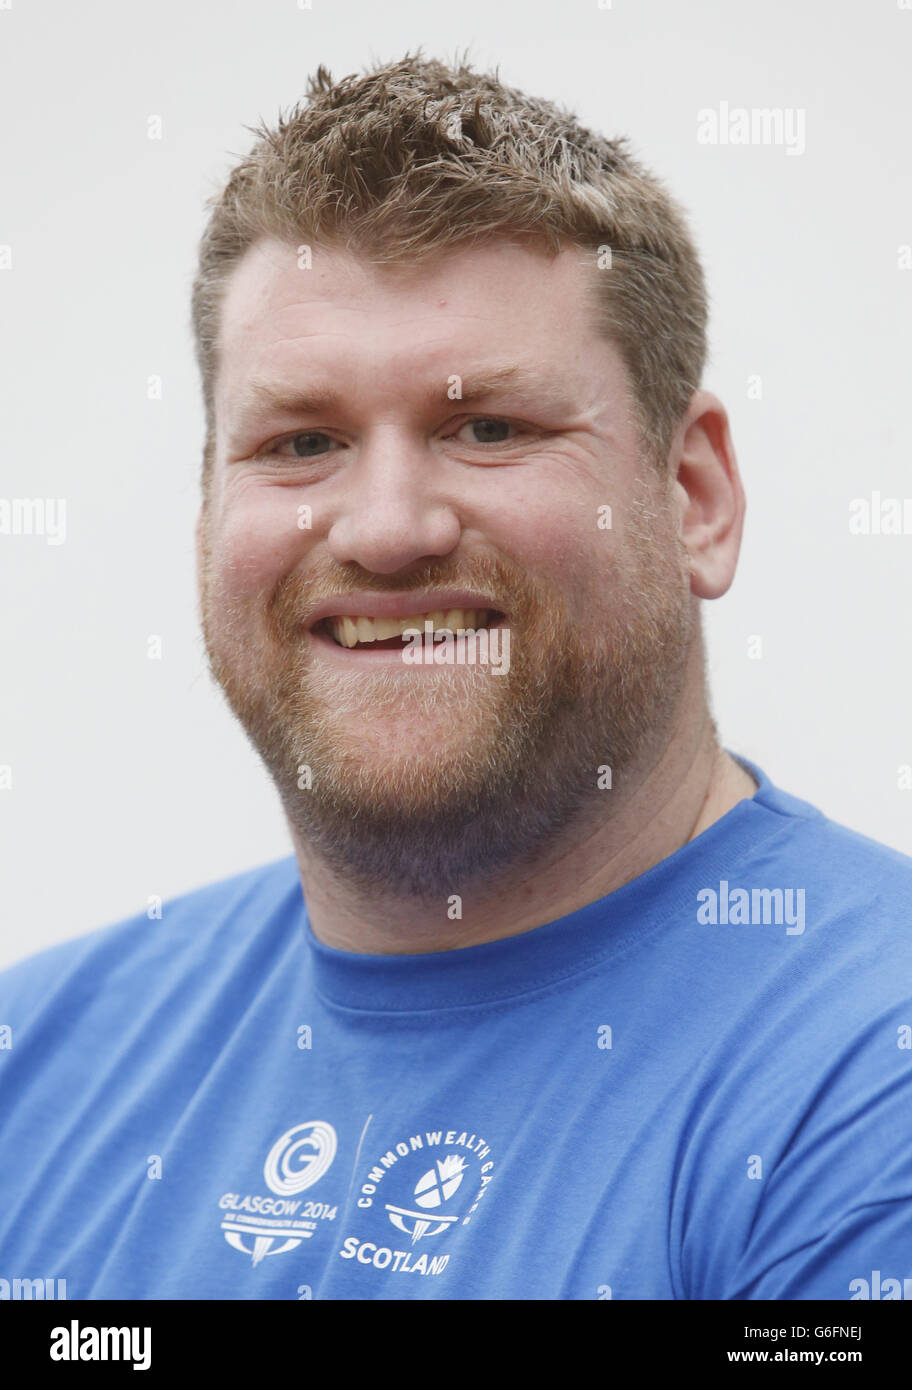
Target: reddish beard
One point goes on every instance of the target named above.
(419, 783)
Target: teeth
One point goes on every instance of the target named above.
(383, 628)
(348, 632)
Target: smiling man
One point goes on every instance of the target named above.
(555, 998)
(336, 391)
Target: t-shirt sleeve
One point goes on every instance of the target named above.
(833, 1218)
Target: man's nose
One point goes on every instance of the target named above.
(391, 511)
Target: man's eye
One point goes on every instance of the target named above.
(314, 443)
(307, 445)
(485, 430)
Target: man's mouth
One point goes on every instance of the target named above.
(350, 630)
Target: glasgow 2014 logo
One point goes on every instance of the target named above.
(297, 1160)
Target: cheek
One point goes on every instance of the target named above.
(259, 541)
(559, 537)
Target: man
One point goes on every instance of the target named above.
(556, 999)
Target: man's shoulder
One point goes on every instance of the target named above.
(805, 915)
(847, 853)
(839, 862)
(163, 938)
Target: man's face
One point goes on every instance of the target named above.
(460, 430)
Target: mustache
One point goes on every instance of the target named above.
(298, 594)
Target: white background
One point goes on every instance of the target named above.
(129, 776)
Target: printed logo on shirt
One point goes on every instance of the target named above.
(297, 1160)
(435, 1180)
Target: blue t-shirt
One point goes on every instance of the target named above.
(697, 1087)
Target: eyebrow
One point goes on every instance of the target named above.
(264, 398)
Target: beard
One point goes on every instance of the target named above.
(416, 783)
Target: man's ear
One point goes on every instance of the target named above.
(709, 494)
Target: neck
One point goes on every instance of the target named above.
(691, 784)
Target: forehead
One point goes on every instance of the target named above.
(270, 279)
(501, 303)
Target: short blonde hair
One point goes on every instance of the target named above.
(414, 157)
